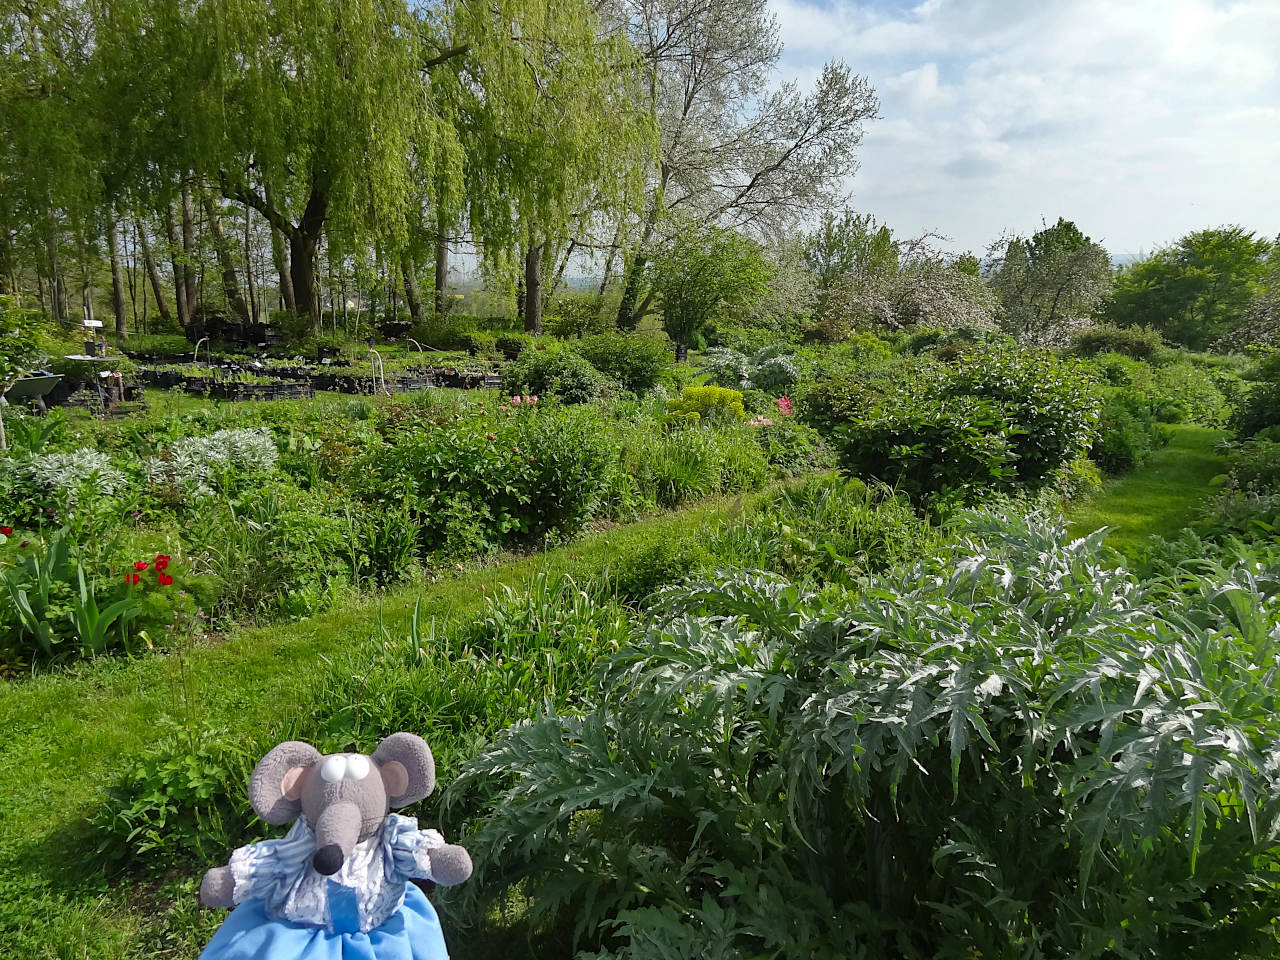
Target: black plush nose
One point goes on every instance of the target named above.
(328, 860)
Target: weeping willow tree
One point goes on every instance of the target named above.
(354, 121)
(51, 186)
(567, 138)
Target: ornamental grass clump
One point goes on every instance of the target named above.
(1014, 750)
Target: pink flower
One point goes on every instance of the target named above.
(515, 401)
(493, 436)
(533, 399)
(503, 407)
(784, 406)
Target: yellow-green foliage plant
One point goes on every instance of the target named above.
(707, 403)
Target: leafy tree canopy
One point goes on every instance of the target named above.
(1196, 291)
(1049, 284)
(703, 272)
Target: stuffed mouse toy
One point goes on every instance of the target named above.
(336, 887)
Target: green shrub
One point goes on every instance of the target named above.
(639, 574)
(576, 315)
(826, 529)
(1255, 465)
(514, 344)
(1127, 433)
(1260, 406)
(1185, 392)
(792, 447)
(183, 801)
(747, 340)
(693, 462)
(158, 344)
(1000, 420)
(540, 470)
(635, 360)
(709, 403)
(555, 372)
(478, 343)
(1119, 370)
(992, 755)
(1138, 342)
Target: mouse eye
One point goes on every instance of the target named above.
(357, 767)
(334, 768)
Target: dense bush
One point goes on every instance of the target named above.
(1138, 342)
(513, 344)
(1255, 464)
(826, 529)
(770, 369)
(634, 360)
(576, 315)
(1127, 432)
(792, 447)
(195, 467)
(693, 462)
(713, 404)
(538, 471)
(1014, 751)
(1260, 406)
(183, 801)
(557, 372)
(998, 420)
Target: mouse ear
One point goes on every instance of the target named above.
(275, 787)
(407, 767)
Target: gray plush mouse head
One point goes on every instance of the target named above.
(344, 796)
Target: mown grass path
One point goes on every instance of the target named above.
(67, 735)
(1161, 497)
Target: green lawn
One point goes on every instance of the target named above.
(68, 734)
(1161, 497)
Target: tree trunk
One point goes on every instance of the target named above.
(189, 250)
(628, 319)
(627, 316)
(248, 264)
(117, 278)
(442, 272)
(8, 265)
(280, 255)
(230, 283)
(179, 283)
(57, 286)
(411, 297)
(533, 289)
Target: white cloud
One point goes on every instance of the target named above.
(1140, 120)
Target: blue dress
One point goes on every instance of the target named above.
(366, 911)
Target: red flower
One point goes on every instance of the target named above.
(132, 579)
(6, 530)
(162, 561)
(164, 579)
(140, 564)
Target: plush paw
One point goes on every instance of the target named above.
(216, 888)
(450, 864)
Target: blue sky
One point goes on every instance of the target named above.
(1138, 119)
